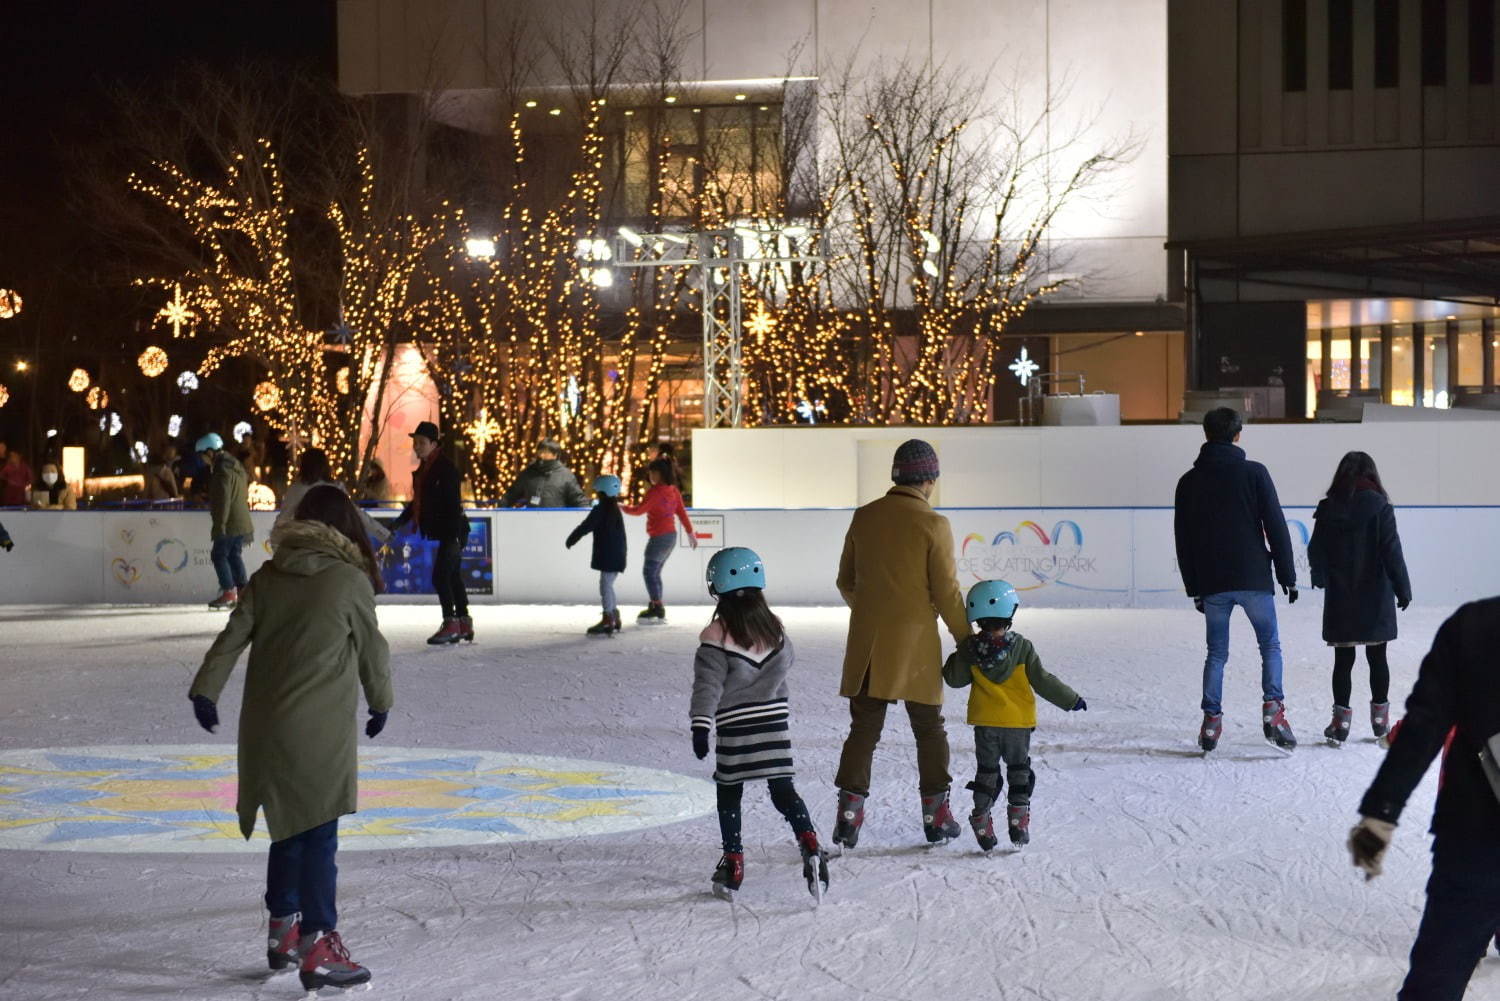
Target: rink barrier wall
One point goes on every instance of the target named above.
(1090, 557)
(1437, 462)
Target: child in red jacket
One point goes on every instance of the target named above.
(663, 503)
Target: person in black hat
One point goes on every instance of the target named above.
(438, 512)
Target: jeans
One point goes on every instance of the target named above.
(658, 548)
(783, 796)
(228, 563)
(301, 877)
(1012, 745)
(448, 580)
(1260, 607)
(1462, 913)
(607, 589)
(1343, 674)
(867, 719)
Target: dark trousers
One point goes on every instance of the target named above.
(448, 579)
(301, 877)
(867, 719)
(1010, 745)
(228, 563)
(1343, 674)
(1462, 913)
(783, 796)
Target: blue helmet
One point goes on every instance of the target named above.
(609, 486)
(209, 443)
(992, 599)
(735, 568)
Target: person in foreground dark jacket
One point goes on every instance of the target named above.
(437, 508)
(1356, 554)
(1226, 514)
(546, 482)
(1458, 688)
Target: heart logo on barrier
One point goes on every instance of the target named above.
(1027, 556)
(126, 573)
(127, 536)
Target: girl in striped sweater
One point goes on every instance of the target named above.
(740, 689)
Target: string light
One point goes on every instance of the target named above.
(79, 380)
(267, 396)
(153, 362)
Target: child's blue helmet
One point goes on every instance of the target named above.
(609, 486)
(992, 599)
(209, 443)
(735, 568)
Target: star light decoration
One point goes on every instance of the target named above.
(79, 380)
(761, 323)
(176, 312)
(153, 362)
(483, 431)
(1024, 367)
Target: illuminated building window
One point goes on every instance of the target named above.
(731, 154)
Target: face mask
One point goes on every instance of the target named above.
(49, 478)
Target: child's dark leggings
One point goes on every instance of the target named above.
(1343, 674)
(783, 796)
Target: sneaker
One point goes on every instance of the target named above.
(1211, 730)
(1274, 724)
(228, 599)
(326, 963)
(1018, 820)
(814, 864)
(984, 830)
(281, 942)
(1338, 731)
(729, 874)
(1380, 718)
(938, 822)
(851, 817)
(450, 632)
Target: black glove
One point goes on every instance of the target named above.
(1291, 594)
(1198, 604)
(1079, 705)
(1402, 603)
(376, 723)
(206, 711)
(700, 742)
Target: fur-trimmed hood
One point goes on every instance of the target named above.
(310, 547)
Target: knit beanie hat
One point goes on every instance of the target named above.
(915, 462)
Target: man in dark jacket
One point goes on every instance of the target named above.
(546, 482)
(1457, 689)
(1226, 513)
(438, 511)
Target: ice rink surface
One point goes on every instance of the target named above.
(1154, 874)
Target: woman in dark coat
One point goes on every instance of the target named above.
(1356, 555)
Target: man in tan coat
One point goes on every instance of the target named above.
(896, 574)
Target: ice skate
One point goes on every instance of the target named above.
(1338, 731)
(984, 830)
(326, 963)
(281, 942)
(1273, 722)
(814, 865)
(654, 612)
(1211, 730)
(1018, 821)
(851, 817)
(466, 628)
(225, 601)
(938, 822)
(451, 632)
(728, 875)
(1380, 722)
(604, 627)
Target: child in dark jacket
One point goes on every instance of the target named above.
(608, 527)
(740, 690)
(1007, 675)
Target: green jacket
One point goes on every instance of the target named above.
(308, 617)
(1004, 685)
(229, 499)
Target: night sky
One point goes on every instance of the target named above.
(62, 59)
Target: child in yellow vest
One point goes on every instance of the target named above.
(1007, 675)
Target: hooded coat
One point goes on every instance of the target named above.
(308, 617)
(545, 483)
(1355, 553)
(897, 577)
(229, 499)
(1227, 514)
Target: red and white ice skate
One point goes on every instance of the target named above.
(282, 941)
(728, 875)
(326, 963)
(938, 822)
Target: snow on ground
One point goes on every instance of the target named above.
(1153, 873)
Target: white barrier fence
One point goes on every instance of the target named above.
(1078, 557)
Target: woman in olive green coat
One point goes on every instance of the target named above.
(308, 617)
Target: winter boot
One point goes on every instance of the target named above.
(984, 830)
(938, 822)
(851, 817)
(814, 864)
(227, 600)
(729, 874)
(1211, 730)
(1338, 730)
(281, 942)
(604, 627)
(1274, 724)
(1018, 819)
(326, 963)
(451, 632)
(466, 628)
(1380, 719)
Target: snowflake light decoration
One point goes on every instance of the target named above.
(141, 454)
(484, 430)
(1024, 367)
(10, 303)
(176, 312)
(174, 425)
(97, 398)
(761, 323)
(153, 362)
(242, 430)
(79, 380)
(187, 382)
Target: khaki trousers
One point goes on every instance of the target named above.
(867, 719)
